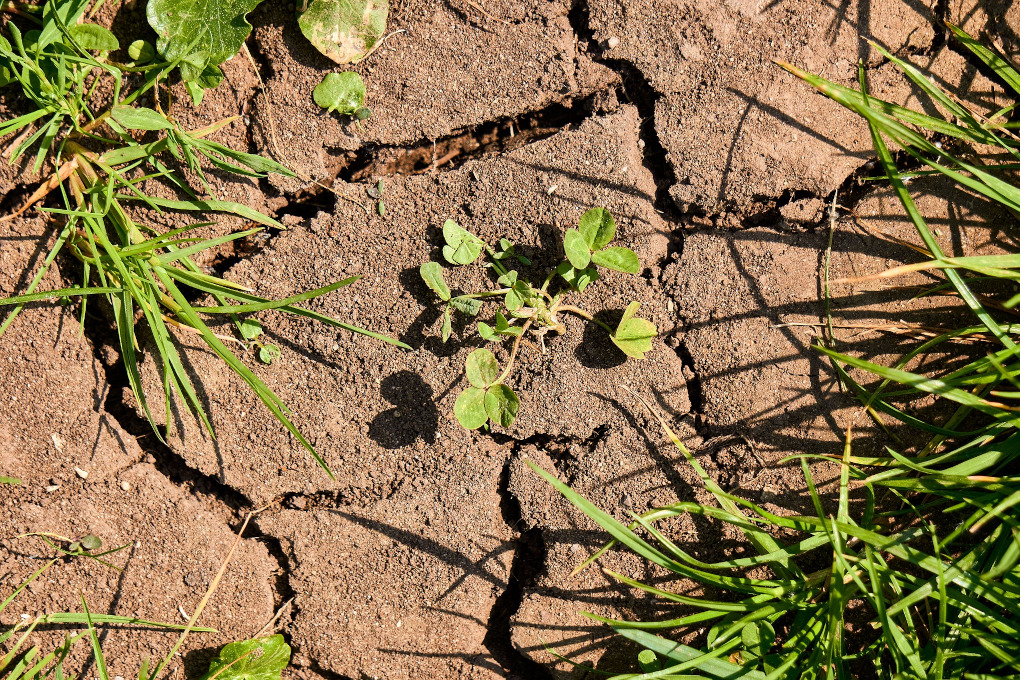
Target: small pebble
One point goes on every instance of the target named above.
(81, 473)
(612, 42)
(126, 486)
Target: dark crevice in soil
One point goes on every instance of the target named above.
(118, 404)
(941, 13)
(230, 504)
(282, 591)
(636, 90)
(446, 153)
(528, 562)
(695, 391)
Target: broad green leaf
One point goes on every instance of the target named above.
(446, 330)
(462, 247)
(91, 542)
(94, 37)
(340, 92)
(466, 305)
(513, 299)
(648, 661)
(216, 27)
(618, 258)
(501, 405)
(250, 329)
(576, 248)
(634, 335)
(343, 30)
(470, 408)
(598, 228)
(485, 330)
(481, 368)
(432, 274)
(139, 118)
(577, 278)
(269, 353)
(503, 327)
(508, 279)
(259, 659)
(141, 51)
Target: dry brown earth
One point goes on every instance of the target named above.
(438, 551)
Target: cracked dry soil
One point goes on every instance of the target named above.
(438, 553)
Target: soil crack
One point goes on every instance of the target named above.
(527, 564)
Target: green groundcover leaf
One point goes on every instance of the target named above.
(470, 408)
(343, 30)
(482, 368)
(618, 258)
(579, 279)
(576, 248)
(216, 28)
(501, 405)
(462, 247)
(634, 335)
(598, 228)
(340, 92)
(259, 659)
(94, 37)
(432, 274)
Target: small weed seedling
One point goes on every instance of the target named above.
(530, 308)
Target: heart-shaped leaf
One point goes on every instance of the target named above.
(634, 335)
(340, 92)
(250, 329)
(216, 27)
(343, 30)
(141, 51)
(470, 408)
(576, 248)
(462, 247)
(259, 659)
(618, 258)
(466, 305)
(577, 278)
(501, 405)
(269, 353)
(648, 661)
(432, 274)
(598, 228)
(481, 368)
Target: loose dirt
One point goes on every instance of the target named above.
(438, 551)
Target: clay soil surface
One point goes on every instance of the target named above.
(437, 552)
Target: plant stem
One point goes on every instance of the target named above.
(513, 352)
(583, 314)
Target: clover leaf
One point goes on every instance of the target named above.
(462, 247)
(634, 335)
(486, 399)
